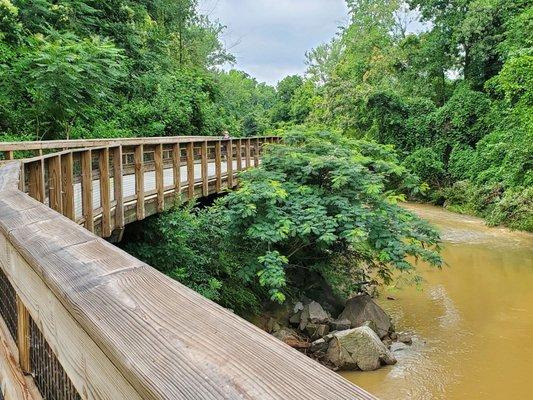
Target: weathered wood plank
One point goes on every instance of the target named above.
(105, 194)
(159, 182)
(23, 336)
(36, 181)
(13, 383)
(256, 152)
(54, 184)
(90, 370)
(238, 144)
(247, 153)
(67, 185)
(118, 187)
(190, 170)
(87, 189)
(218, 166)
(176, 168)
(205, 176)
(229, 164)
(139, 180)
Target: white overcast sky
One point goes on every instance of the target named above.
(270, 37)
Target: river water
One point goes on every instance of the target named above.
(472, 321)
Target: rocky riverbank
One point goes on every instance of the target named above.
(359, 338)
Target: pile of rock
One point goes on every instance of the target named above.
(359, 338)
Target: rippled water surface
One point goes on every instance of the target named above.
(472, 320)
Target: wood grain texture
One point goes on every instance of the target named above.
(247, 146)
(218, 166)
(118, 188)
(13, 384)
(105, 194)
(229, 162)
(159, 183)
(190, 170)
(205, 175)
(238, 145)
(54, 184)
(176, 168)
(36, 180)
(23, 336)
(67, 185)
(87, 189)
(139, 180)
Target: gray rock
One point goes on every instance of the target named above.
(358, 348)
(295, 319)
(318, 345)
(316, 331)
(298, 307)
(405, 338)
(313, 313)
(362, 308)
(290, 336)
(340, 324)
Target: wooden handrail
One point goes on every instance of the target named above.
(119, 328)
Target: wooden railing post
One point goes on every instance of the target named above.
(54, 184)
(87, 189)
(205, 173)
(139, 180)
(176, 169)
(256, 152)
(67, 185)
(9, 155)
(190, 170)
(118, 188)
(218, 166)
(105, 196)
(23, 336)
(229, 168)
(36, 180)
(238, 144)
(159, 177)
(247, 149)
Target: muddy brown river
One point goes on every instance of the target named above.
(472, 321)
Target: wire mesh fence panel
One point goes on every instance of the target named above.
(8, 304)
(48, 374)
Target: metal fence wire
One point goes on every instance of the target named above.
(8, 304)
(48, 374)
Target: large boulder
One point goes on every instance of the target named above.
(362, 308)
(313, 313)
(358, 348)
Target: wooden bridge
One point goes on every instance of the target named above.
(81, 319)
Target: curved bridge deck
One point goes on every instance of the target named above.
(80, 318)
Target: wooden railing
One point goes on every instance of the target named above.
(114, 182)
(80, 318)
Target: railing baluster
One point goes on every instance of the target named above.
(105, 200)
(176, 169)
(229, 148)
(238, 145)
(9, 155)
(159, 177)
(256, 152)
(218, 166)
(139, 180)
(205, 172)
(190, 170)
(36, 180)
(23, 336)
(247, 149)
(87, 189)
(67, 185)
(118, 187)
(54, 186)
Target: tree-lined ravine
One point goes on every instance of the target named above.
(472, 321)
